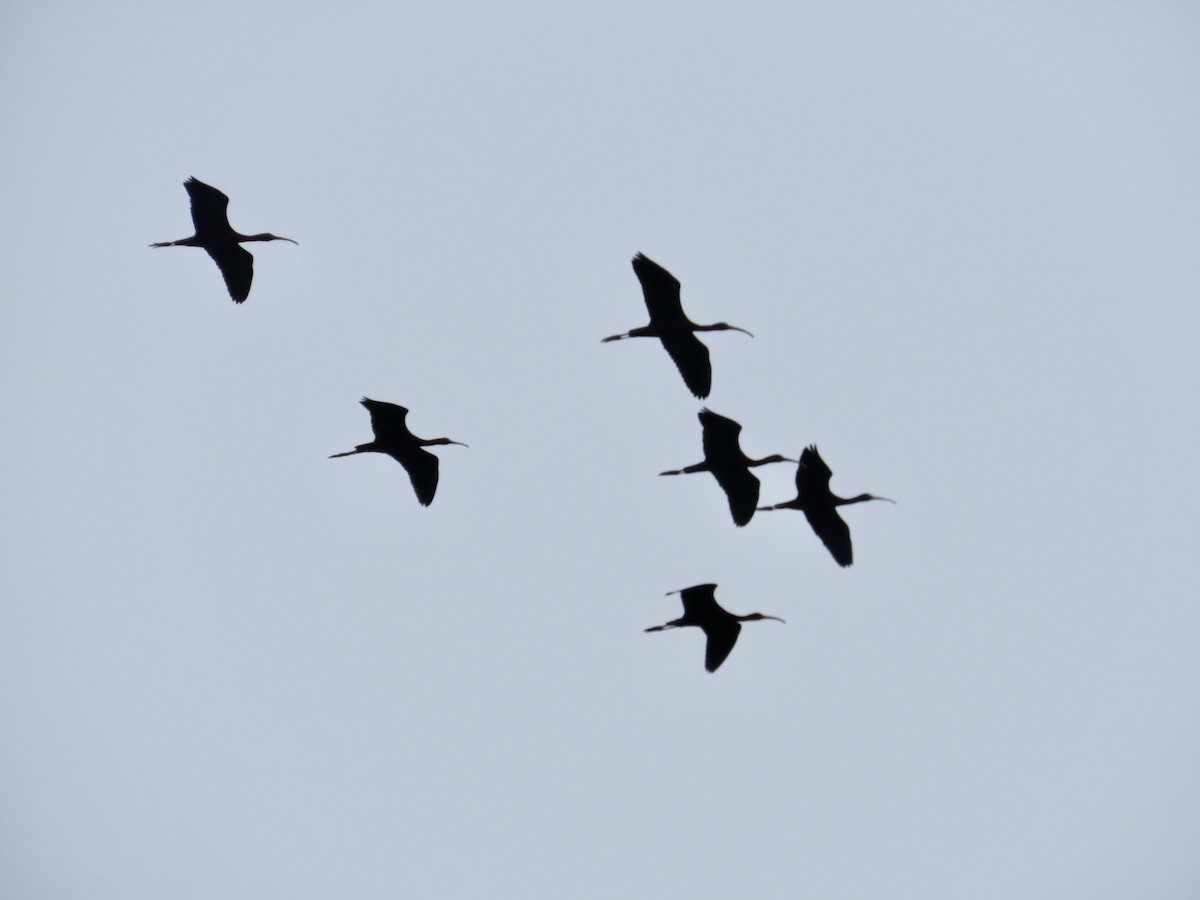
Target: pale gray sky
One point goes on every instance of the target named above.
(965, 236)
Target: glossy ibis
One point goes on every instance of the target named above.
(721, 627)
(393, 438)
(669, 324)
(723, 457)
(819, 505)
(213, 233)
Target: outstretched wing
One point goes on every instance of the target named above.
(691, 359)
(720, 435)
(209, 210)
(387, 421)
(812, 475)
(660, 289)
(741, 488)
(236, 265)
(833, 532)
(724, 456)
(422, 468)
(722, 635)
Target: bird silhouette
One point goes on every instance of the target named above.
(209, 215)
(723, 457)
(720, 626)
(669, 324)
(393, 438)
(819, 505)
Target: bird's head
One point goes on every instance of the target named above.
(725, 326)
(267, 236)
(755, 617)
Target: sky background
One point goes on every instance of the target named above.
(965, 238)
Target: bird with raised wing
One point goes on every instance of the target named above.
(393, 438)
(669, 324)
(720, 627)
(819, 505)
(214, 234)
(723, 457)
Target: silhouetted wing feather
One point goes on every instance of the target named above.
(812, 475)
(660, 289)
(387, 421)
(236, 265)
(691, 359)
(720, 435)
(721, 638)
(422, 468)
(833, 532)
(741, 487)
(700, 602)
(209, 209)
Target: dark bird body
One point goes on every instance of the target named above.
(723, 457)
(393, 438)
(213, 233)
(819, 505)
(669, 324)
(720, 627)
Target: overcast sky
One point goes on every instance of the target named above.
(965, 238)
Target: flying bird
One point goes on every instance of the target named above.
(393, 438)
(213, 233)
(723, 457)
(819, 505)
(721, 627)
(669, 324)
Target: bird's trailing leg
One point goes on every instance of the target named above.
(361, 448)
(688, 470)
(643, 331)
(192, 241)
(674, 623)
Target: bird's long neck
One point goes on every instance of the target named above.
(718, 326)
(246, 238)
(774, 458)
(861, 498)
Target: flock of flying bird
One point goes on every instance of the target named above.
(723, 455)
